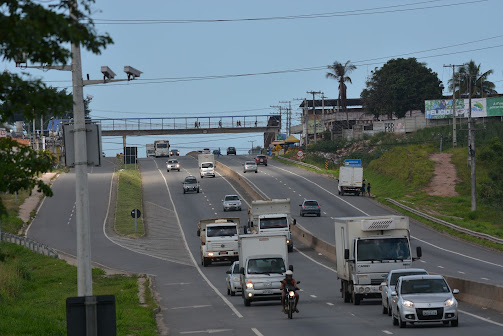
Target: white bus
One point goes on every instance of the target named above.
(161, 148)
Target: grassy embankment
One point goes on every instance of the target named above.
(11, 222)
(129, 197)
(33, 290)
(398, 168)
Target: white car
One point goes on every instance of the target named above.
(233, 279)
(172, 165)
(423, 298)
(231, 202)
(390, 285)
(250, 166)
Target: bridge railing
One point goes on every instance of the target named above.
(184, 122)
(28, 243)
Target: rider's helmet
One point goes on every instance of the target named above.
(289, 273)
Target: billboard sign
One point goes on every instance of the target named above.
(481, 107)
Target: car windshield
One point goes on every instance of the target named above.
(395, 276)
(232, 198)
(207, 165)
(221, 231)
(190, 181)
(173, 161)
(311, 203)
(231, 148)
(273, 223)
(266, 266)
(236, 268)
(383, 249)
(421, 286)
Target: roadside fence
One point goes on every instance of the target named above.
(29, 243)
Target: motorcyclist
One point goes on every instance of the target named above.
(289, 282)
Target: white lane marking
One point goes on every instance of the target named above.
(421, 260)
(387, 332)
(176, 283)
(300, 195)
(440, 266)
(330, 303)
(316, 262)
(324, 213)
(328, 191)
(258, 333)
(226, 301)
(461, 272)
(207, 331)
(460, 254)
(196, 306)
(484, 278)
(313, 296)
(481, 318)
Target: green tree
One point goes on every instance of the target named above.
(40, 34)
(340, 72)
(401, 85)
(491, 191)
(470, 72)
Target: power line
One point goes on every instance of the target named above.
(357, 12)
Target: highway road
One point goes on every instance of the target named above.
(193, 298)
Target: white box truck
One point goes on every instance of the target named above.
(263, 261)
(367, 248)
(350, 180)
(219, 239)
(206, 165)
(150, 150)
(274, 215)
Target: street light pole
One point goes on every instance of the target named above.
(252, 141)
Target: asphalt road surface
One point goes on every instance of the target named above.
(193, 298)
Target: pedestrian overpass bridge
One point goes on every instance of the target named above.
(189, 125)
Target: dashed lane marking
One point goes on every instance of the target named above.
(461, 272)
(387, 332)
(485, 279)
(313, 296)
(258, 333)
(440, 266)
(330, 303)
(196, 306)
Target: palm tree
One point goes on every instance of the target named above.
(480, 85)
(340, 72)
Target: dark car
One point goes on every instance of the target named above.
(261, 160)
(231, 150)
(174, 152)
(216, 151)
(310, 207)
(190, 184)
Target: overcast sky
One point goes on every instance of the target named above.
(367, 32)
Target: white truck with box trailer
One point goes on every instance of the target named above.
(367, 248)
(219, 239)
(263, 261)
(350, 180)
(150, 150)
(206, 165)
(274, 215)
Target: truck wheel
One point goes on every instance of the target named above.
(319, 214)
(256, 171)
(198, 190)
(345, 294)
(356, 298)
(202, 176)
(184, 191)
(266, 164)
(358, 194)
(290, 248)
(206, 262)
(247, 302)
(232, 293)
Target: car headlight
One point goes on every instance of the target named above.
(408, 303)
(177, 166)
(291, 293)
(288, 241)
(249, 284)
(449, 302)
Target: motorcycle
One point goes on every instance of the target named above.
(290, 301)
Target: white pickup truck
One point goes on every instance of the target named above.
(219, 239)
(271, 216)
(206, 164)
(263, 259)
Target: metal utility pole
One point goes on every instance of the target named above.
(288, 116)
(314, 111)
(471, 147)
(252, 141)
(454, 138)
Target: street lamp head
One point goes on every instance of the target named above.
(131, 72)
(107, 72)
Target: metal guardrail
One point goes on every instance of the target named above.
(450, 225)
(300, 163)
(29, 243)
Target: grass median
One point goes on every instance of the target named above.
(34, 288)
(129, 197)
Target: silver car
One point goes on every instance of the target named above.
(172, 165)
(231, 202)
(233, 279)
(390, 285)
(423, 298)
(250, 166)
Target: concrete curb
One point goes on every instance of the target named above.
(299, 163)
(472, 292)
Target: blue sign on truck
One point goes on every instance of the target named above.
(353, 163)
